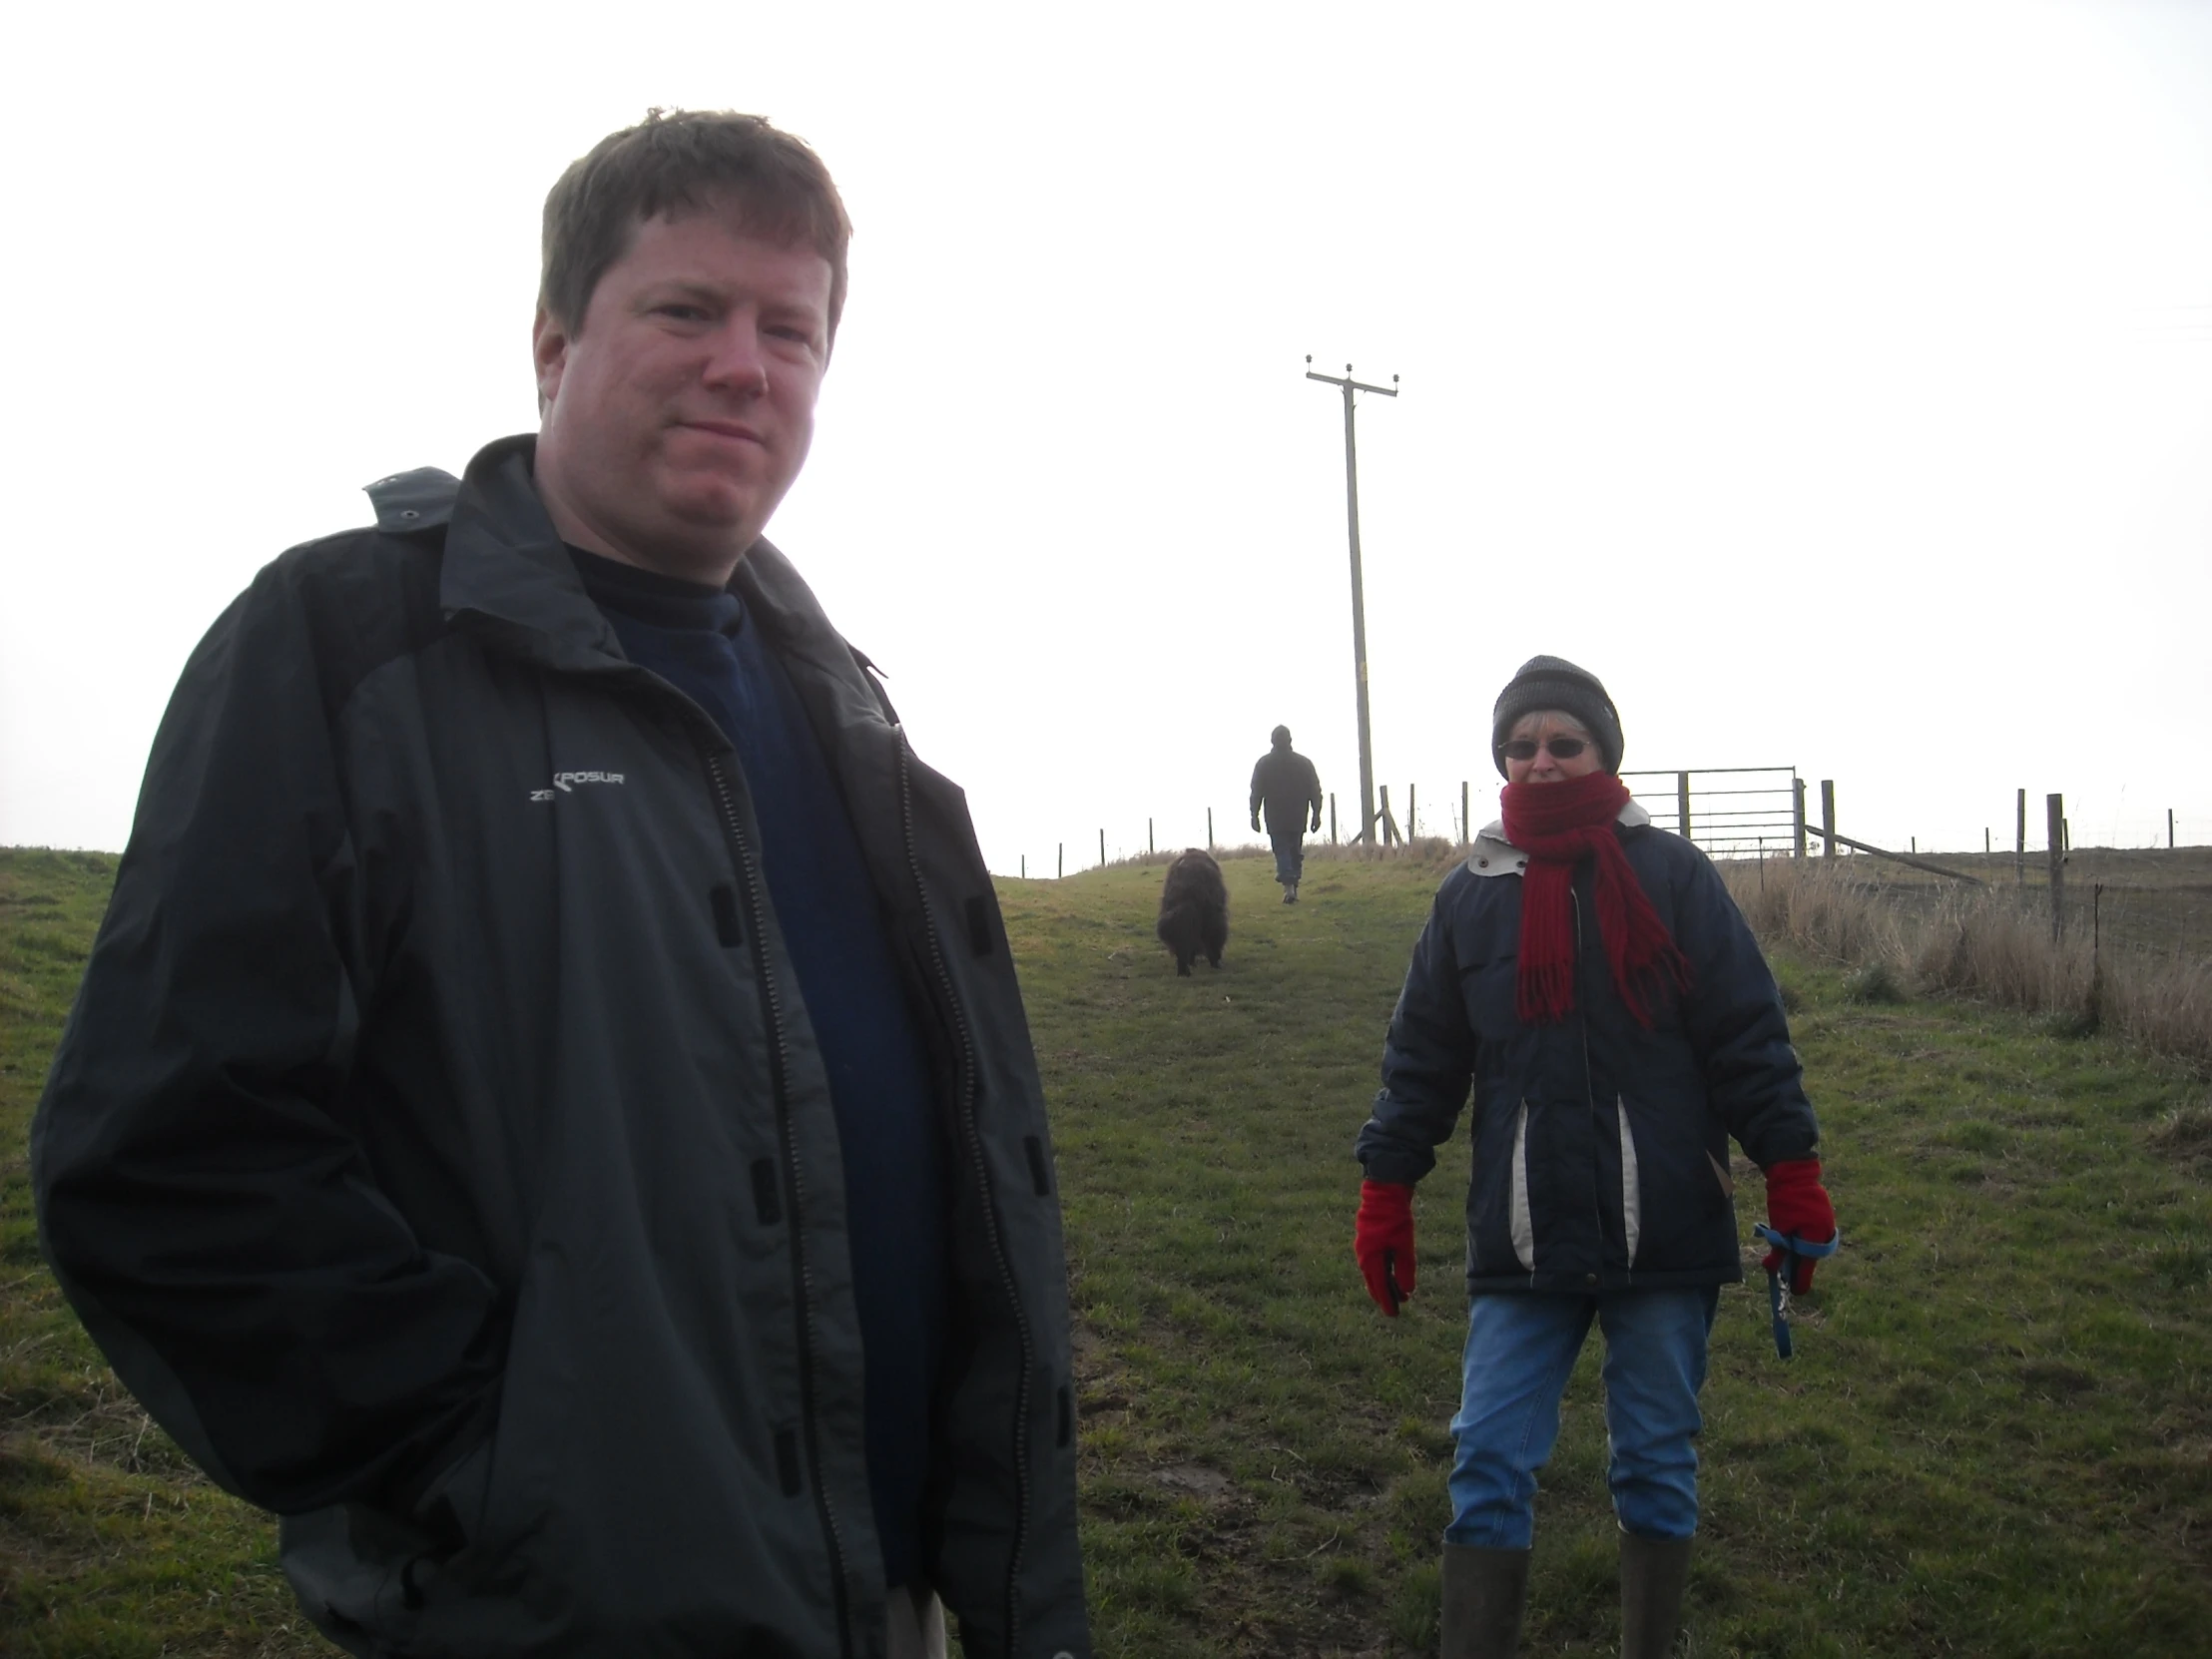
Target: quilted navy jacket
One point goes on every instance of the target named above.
(1600, 1148)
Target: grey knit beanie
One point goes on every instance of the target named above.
(1556, 683)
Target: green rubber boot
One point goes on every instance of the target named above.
(1484, 1591)
(1654, 1572)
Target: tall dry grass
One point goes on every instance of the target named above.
(1988, 943)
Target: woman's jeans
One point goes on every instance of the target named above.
(1520, 1349)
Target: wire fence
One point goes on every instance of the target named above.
(1402, 816)
(1730, 813)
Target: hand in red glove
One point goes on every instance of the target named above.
(1798, 1208)
(1382, 1240)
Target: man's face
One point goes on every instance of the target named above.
(679, 413)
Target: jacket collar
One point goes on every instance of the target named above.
(1493, 854)
(506, 570)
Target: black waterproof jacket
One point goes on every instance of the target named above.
(1286, 783)
(440, 1148)
(1600, 1148)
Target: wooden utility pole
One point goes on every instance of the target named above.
(1348, 386)
(2054, 808)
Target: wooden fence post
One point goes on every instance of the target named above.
(2170, 828)
(1412, 811)
(1827, 816)
(1148, 847)
(1209, 829)
(1466, 826)
(1060, 867)
(1797, 788)
(1682, 804)
(2019, 846)
(1331, 818)
(1102, 849)
(1025, 866)
(2054, 808)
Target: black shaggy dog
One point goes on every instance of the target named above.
(1193, 909)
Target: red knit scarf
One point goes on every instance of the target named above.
(1557, 826)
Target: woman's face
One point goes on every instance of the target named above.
(1544, 766)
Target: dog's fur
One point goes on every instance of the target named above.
(1193, 909)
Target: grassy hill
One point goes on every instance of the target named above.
(110, 1543)
(1994, 1439)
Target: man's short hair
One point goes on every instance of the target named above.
(680, 162)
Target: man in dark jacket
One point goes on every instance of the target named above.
(550, 1112)
(1286, 784)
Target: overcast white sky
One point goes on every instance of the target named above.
(1835, 382)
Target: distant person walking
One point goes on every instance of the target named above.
(1592, 980)
(1286, 784)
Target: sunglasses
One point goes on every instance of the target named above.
(1524, 749)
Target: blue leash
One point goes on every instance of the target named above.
(1778, 1283)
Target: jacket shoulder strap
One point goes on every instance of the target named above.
(409, 501)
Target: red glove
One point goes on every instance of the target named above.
(1798, 1208)
(1382, 1240)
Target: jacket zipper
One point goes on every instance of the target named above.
(964, 1082)
(726, 803)
(1589, 1079)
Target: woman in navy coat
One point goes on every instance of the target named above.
(1587, 991)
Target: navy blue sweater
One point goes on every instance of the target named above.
(697, 640)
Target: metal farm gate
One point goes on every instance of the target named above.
(1729, 812)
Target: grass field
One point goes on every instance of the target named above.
(110, 1543)
(1995, 1440)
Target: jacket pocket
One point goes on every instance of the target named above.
(1673, 1210)
(454, 1508)
(1501, 1221)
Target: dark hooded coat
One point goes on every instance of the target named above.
(440, 1148)
(1286, 786)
